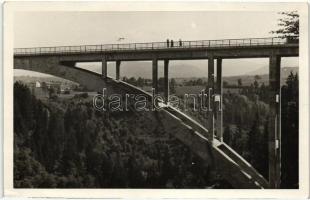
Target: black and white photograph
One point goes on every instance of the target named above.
(157, 98)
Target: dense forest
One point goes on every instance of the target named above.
(245, 124)
(246, 127)
(290, 132)
(67, 144)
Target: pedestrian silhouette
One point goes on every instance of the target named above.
(171, 43)
(180, 42)
(167, 42)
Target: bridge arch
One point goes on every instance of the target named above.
(51, 66)
(174, 122)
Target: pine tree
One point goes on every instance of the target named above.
(289, 134)
(253, 144)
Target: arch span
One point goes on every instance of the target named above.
(52, 66)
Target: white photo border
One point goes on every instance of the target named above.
(8, 16)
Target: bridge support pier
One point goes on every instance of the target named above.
(210, 90)
(218, 100)
(155, 75)
(104, 68)
(274, 132)
(166, 80)
(118, 65)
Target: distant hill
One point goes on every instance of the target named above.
(180, 72)
(259, 71)
(144, 69)
(248, 78)
(263, 78)
(176, 69)
(265, 70)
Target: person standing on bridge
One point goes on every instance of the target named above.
(171, 43)
(180, 42)
(168, 43)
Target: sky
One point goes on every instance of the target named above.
(38, 29)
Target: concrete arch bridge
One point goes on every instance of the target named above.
(60, 61)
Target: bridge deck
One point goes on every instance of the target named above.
(190, 45)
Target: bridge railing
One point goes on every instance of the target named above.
(157, 45)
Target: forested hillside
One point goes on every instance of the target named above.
(246, 122)
(67, 144)
(246, 127)
(290, 132)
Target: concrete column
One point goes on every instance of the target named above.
(155, 75)
(218, 103)
(166, 80)
(118, 65)
(104, 68)
(210, 90)
(274, 132)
